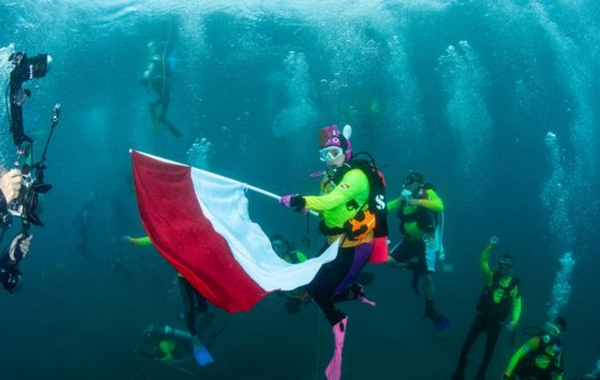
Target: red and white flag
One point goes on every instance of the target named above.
(199, 222)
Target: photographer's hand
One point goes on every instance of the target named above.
(19, 247)
(10, 184)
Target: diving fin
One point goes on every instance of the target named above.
(203, 357)
(173, 129)
(441, 322)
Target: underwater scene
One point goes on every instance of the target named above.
(482, 116)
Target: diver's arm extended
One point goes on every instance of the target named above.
(141, 241)
(484, 261)
(433, 202)
(531, 345)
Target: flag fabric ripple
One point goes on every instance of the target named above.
(199, 222)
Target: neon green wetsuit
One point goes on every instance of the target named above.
(536, 359)
(141, 241)
(343, 195)
(333, 204)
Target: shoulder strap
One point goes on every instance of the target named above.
(514, 282)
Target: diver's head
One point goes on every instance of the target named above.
(336, 148)
(12, 281)
(281, 245)
(150, 334)
(505, 263)
(413, 181)
(553, 329)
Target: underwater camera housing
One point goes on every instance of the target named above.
(32, 184)
(25, 205)
(25, 68)
(28, 68)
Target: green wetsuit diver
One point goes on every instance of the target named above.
(285, 250)
(419, 208)
(167, 343)
(541, 357)
(193, 302)
(500, 297)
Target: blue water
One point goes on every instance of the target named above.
(464, 92)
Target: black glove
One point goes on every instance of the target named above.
(298, 203)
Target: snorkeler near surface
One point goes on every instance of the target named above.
(156, 76)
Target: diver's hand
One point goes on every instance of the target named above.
(505, 377)
(295, 201)
(10, 184)
(19, 247)
(406, 194)
(511, 326)
(494, 240)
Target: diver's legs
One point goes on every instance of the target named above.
(476, 328)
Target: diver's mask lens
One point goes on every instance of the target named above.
(279, 247)
(330, 153)
(552, 330)
(408, 181)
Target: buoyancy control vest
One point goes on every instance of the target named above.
(426, 220)
(527, 367)
(497, 311)
(370, 218)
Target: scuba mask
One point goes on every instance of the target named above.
(150, 334)
(332, 137)
(279, 247)
(551, 332)
(330, 153)
(411, 178)
(505, 263)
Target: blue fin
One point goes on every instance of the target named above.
(441, 323)
(203, 357)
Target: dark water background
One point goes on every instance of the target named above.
(464, 92)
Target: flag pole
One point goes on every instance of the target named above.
(269, 194)
(261, 191)
(249, 187)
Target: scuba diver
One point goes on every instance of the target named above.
(157, 76)
(20, 187)
(345, 209)
(194, 303)
(10, 189)
(541, 357)
(500, 297)
(10, 275)
(419, 210)
(285, 250)
(169, 344)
